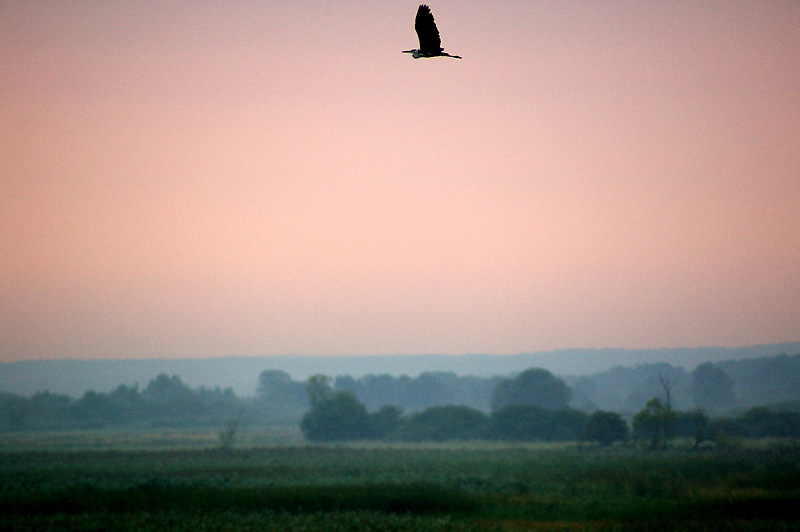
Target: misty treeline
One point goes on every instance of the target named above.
(727, 387)
(656, 402)
(718, 387)
(531, 405)
(165, 401)
(534, 406)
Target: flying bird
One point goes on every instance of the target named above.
(430, 44)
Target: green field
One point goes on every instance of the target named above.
(180, 481)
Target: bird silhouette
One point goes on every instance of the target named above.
(430, 44)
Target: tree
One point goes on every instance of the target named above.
(96, 409)
(127, 402)
(385, 422)
(535, 386)
(443, 423)
(381, 389)
(16, 412)
(165, 388)
(667, 383)
(319, 389)
(520, 423)
(41, 410)
(648, 381)
(701, 428)
(227, 435)
(334, 415)
(430, 389)
(278, 396)
(763, 422)
(655, 421)
(711, 387)
(606, 428)
(534, 423)
(170, 397)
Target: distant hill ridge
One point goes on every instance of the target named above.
(74, 377)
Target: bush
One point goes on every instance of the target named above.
(533, 423)
(442, 423)
(762, 422)
(385, 422)
(337, 417)
(227, 436)
(534, 386)
(606, 428)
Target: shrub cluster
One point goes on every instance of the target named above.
(165, 401)
(342, 418)
(338, 415)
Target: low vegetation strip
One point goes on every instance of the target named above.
(480, 486)
(415, 498)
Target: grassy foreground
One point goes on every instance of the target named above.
(465, 487)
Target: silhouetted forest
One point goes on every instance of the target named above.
(74, 377)
(751, 398)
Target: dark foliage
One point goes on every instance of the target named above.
(533, 423)
(385, 422)
(280, 397)
(765, 380)
(443, 423)
(763, 422)
(338, 416)
(655, 422)
(534, 386)
(166, 401)
(417, 393)
(711, 387)
(606, 428)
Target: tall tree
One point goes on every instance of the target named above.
(319, 389)
(278, 396)
(656, 422)
(606, 428)
(337, 416)
(443, 423)
(711, 387)
(532, 423)
(535, 386)
(169, 397)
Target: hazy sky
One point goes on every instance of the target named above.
(208, 178)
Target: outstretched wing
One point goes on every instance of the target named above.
(429, 40)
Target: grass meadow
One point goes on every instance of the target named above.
(273, 481)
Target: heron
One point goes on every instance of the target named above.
(430, 44)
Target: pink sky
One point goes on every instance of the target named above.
(252, 178)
